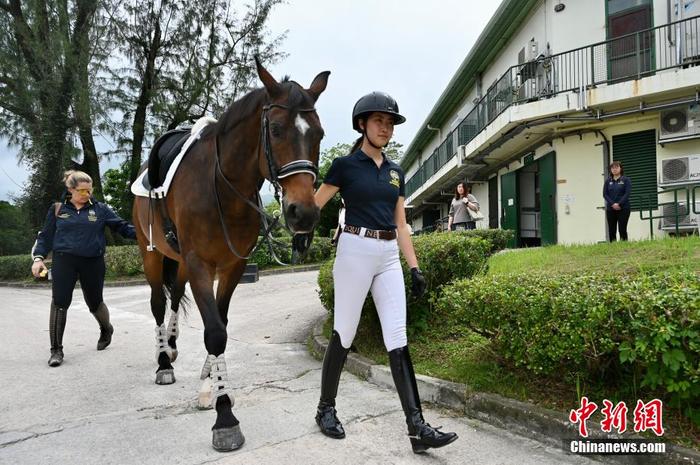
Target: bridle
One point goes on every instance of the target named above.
(288, 169)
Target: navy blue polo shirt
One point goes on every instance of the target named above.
(370, 193)
(617, 191)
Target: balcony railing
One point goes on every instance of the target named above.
(632, 56)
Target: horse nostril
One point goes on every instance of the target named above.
(292, 211)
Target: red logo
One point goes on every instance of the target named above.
(647, 416)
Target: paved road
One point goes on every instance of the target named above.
(104, 407)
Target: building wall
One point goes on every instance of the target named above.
(580, 175)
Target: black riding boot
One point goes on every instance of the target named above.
(333, 363)
(57, 324)
(106, 329)
(423, 436)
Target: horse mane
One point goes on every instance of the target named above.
(238, 111)
(242, 108)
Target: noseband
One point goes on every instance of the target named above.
(289, 169)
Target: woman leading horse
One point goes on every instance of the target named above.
(271, 133)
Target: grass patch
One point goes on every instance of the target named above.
(621, 257)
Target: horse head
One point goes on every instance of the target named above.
(290, 141)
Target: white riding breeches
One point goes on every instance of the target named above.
(363, 264)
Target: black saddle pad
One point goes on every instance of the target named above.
(162, 155)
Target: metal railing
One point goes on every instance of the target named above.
(681, 211)
(627, 57)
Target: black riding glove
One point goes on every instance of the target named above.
(418, 283)
(300, 245)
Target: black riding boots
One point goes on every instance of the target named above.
(106, 329)
(423, 436)
(57, 324)
(333, 363)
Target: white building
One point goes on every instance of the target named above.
(549, 95)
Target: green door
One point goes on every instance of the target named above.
(548, 198)
(509, 205)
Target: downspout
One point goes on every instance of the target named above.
(606, 163)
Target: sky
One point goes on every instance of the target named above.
(410, 49)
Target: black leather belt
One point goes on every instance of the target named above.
(375, 234)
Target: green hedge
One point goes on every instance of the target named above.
(442, 257)
(15, 267)
(125, 261)
(602, 327)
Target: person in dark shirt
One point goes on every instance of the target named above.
(367, 258)
(616, 191)
(74, 232)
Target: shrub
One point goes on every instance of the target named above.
(497, 237)
(605, 327)
(442, 258)
(15, 267)
(125, 261)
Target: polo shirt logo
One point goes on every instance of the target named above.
(63, 216)
(92, 216)
(394, 178)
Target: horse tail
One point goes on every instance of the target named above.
(170, 268)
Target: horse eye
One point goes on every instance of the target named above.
(275, 129)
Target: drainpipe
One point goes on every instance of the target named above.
(606, 163)
(439, 131)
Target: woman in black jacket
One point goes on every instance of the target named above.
(74, 231)
(616, 191)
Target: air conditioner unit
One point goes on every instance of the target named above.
(680, 170)
(680, 123)
(686, 218)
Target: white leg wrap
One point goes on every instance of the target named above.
(173, 327)
(162, 342)
(220, 385)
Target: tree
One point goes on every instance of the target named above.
(185, 60)
(40, 47)
(16, 235)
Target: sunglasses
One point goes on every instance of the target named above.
(84, 191)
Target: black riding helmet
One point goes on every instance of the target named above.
(376, 101)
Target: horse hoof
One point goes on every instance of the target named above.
(165, 376)
(228, 439)
(173, 355)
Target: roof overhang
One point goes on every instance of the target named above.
(503, 24)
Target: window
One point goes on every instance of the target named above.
(637, 153)
(633, 55)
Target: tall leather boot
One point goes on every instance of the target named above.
(106, 329)
(333, 363)
(57, 324)
(423, 436)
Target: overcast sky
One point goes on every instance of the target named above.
(408, 48)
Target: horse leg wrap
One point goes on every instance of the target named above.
(173, 327)
(220, 385)
(162, 342)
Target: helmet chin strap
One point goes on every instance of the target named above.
(378, 147)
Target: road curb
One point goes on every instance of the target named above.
(544, 425)
(143, 282)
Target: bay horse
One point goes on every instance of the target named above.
(271, 133)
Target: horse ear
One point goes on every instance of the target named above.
(319, 84)
(271, 85)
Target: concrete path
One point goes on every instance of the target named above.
(104, 407)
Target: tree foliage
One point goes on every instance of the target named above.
(123, 70)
